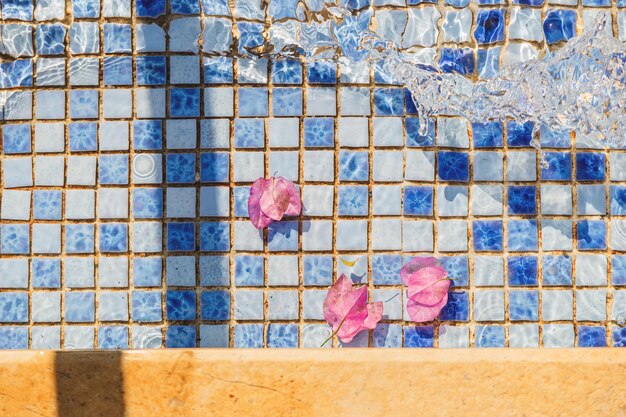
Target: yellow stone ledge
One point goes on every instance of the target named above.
(320, 383)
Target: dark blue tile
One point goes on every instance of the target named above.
(149, 8)
(185, 6)
(147, 135)
(411, 108)
(457, 269)
(147, 203)
(15, 239)
(618, 199)
(248, 335)
(353, 201)
(46, 273)
(524, 305)
(51, 39)
(413, 137)
(47, 204)
(489, 26)
(319, 132)
(591, 234)
(590, 166)
(113, 169)
(529, 2)
(180, 305)
(287, 101)
(591, 336)
(386, 269)
(283, 236)
(522, 235)
(249, 133)
(12, 337)
(282, 335)
(389, 102)
(214, 167)
(79, 238)
(559, 25)
(180, 168)
(218, 70)
(151, 70)
(180, 236)
(322, 72)
(556, 270)
(618, 264)
(117, 38)
(618, 334)
(16, 138)
(519, 134)
(214, 236)
(113, 337)
(487, 135)
(559, 166)
(184, 102)
(489, 336)
(487, 235)
(248, 270)
(113, 237)
(453, 166)
(354, 4)
(180, 337)
(118, 70)
(522, 270)
(419, 336)
(317, 270)
(522, 199)
(353, 166)
(418, 201)
(83, 136)
(13, 307)
(18, 73)
(147, 271)
(457, 307)
(286, 71)
(17, 9)
(250, 36)
(215, 305)
(459, 60)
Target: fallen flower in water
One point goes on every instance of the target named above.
(428, 286)
(271, 199)
(348, 311)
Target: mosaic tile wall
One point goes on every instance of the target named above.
(128, 149)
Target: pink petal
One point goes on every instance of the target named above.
(341, 299)
(275, 199)
(414, 265)
(421, 313)
(257, 217)
(295, 204)
(428, 285)
(363, 317)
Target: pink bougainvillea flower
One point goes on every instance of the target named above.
(348, 311)
(428, 286)
(271, 199)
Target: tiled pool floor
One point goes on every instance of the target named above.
(129, 148)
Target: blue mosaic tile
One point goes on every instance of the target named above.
(13, 307)
(253, 102)
(282, 335)
(249, 335)
(319, 132)
(150, 71)
(18, 9)
(322, 72)
(559, 25)
(180, 337)
(84, 104)
(16, 138)
(388, 102)
(591, 234)
(79, 307)
(591, 336)
(180, 236)
(287, 101)
(85, 8)
(147, 134)
(457, 308)
(388, 336)
(283, 9)
(519, 134)
(84, 38)
(12, 337)
(487, 235)
(286, 71)
(218, 70)
(524, 305)
(418, 201)
(47, 204)
(15, 239)
(489, 26)
(147, 271)
(113, 237)
(419, 336)
(214, 271)
(18, 73)
(353, 201)
(522, 199)
(522, 270)
(241, 193)
(248, 270)
(457, 269)
(489, 336)
(180, 168)
(618, 264)
(113, 337)
(459, 60)
(46, 273)
(180, 305)
(453, 166)
(413, 138)
(386, 269)
(488, 62)
(590, 166)
(117, 38)
(79, 238)
(317, 270)
(554, 139)
(113, 169)
(487, 135)
(214, 167)
(184, 102)
(522, 235)
(249, 133)
(149, 8)
(353, 166)
(283, 236)
(147, 203)
(185, 6)
(529, 2)
(118, 70)
(214, 236)
(215, 7)
(618, 335)
(215, 305)
(50, 39)
(250, 36)
(83, 136)
(618, 199)
(559, 166)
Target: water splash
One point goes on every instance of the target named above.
(580, 87)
